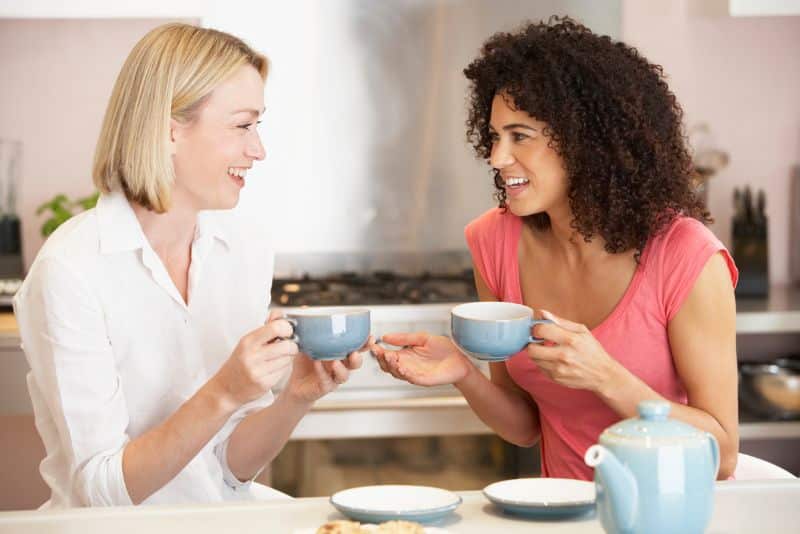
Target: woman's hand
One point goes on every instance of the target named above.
(573, 358)
(258, 362)
(311, 379)
(424, 360)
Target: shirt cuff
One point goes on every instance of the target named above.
(238, 486)
(103, 481)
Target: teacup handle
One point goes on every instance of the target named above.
(293, 322)
(534, 322)
(714, 453)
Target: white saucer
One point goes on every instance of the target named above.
(371, 527)
(376, 504)
(542, 497)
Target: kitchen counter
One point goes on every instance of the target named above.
(746, 507)
(779, 312)
(9, 332)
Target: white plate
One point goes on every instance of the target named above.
(540, 497)
(372, 527)
(376, 504)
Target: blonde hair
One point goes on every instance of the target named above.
(169, 74)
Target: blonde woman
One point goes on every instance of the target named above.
(144, 320)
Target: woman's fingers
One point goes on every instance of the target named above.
(564, 323)
(337, 371)
(353, 360)
(367, 344)
(403, 339)
(277, 365)
(544, 353)
(274, 314)
(555, 333)
(274, 329)
(284, 347)
(391, 364)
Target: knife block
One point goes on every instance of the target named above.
(751, 253)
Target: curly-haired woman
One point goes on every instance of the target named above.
(597, 224)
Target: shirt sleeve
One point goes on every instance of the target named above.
(224, 437)
(688, 245)
(260, 264)
(482, 241)
(64, 337)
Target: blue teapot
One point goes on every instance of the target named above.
(653, 474)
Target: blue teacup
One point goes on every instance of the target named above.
(493, 331)
(329, 333)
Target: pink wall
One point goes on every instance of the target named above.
(742, 77)
(57, 78)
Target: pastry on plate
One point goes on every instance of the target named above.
(399, 527)
(340, 526)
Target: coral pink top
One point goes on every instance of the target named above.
(634, 333)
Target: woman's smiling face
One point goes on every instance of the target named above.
(213, 152)
(532, 172)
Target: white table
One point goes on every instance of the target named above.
(740, 507)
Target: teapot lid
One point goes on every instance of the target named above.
(653, 427)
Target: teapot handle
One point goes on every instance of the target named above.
(714, 453)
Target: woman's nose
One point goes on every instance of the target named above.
(500, 157)
(255, 150)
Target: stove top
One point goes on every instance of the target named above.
(376, 287)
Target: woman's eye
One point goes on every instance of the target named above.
(249, 125)
(519, 137)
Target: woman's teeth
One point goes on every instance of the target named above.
(237, 171)
(515, 182)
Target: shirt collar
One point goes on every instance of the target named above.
(120, 231)
(213, 224)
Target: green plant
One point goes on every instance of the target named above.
(61, 208)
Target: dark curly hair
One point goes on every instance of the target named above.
(609, 115)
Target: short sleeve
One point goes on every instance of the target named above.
(683, 253)
(486, 249)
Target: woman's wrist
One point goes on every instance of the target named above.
(616, 381)
(217, 396)
(293, 402)
(471, 376)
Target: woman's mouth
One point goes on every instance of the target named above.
(237, 174)
(515, 186)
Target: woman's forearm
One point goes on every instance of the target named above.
(624, 392)
(508, 413)
(157, 456)
(260, 436)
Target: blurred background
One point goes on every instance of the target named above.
(368, 183)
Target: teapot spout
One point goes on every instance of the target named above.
(616, 487)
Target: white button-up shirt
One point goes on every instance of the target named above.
(114, 350)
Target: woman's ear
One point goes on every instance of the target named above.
(175, 132)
